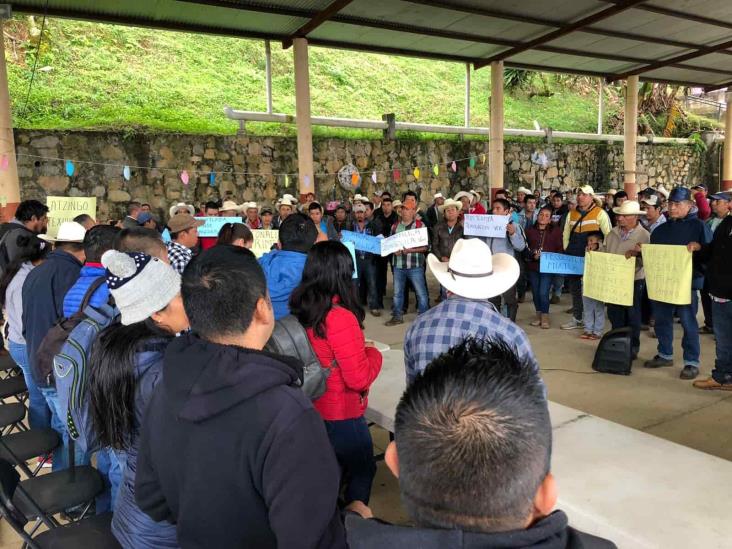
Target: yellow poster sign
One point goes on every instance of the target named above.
(609, 278)
(263, 241)
(668, 273)
(66, 208)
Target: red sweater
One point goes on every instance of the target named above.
(478, 209)
(702, 203)
(356, 369)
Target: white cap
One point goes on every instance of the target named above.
(69, 231)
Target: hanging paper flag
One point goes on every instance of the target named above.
(472, 162)
(212, 179)
(435, 170)
(4, 161)
(306, 180)
(184, 177)
(482, 158)
(69, 168)
(397, 175)
(287, 181)
(454, 166)
(416, 173)
(126, 173)
(354, 179)
(373, 177)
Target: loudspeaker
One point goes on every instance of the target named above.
(614, 353)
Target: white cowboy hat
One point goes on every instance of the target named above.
(397, 204)
(611, 192)
(450, 203)
(290, 198)
(359, 198)
(524, 190)
(176, 207)
(438, 195)
(629, 207)
(249, 206)
(230, 205)
(473, 272)
(662, 190)
(286, 201)
(587, 189)
(461, 194)
(68, 231)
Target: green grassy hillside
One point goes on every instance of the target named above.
(95, 76)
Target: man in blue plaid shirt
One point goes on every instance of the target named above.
(471, 277)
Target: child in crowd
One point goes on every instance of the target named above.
(594, 310)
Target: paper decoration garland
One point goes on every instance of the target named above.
(472, 162)
(69, 168)
(126, 173)
(482, 158)
(436, 169)
(4, 161)
(373, 177)
(306, 180)
(454, 166)
(212, 179)
(287, 181)
(416, 173)
(184, 177)
(396, 175)
(355, 178)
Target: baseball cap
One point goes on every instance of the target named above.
(721, 196)
(143, 218)
(701, 186)
(182, 222)
(586, 189)
(679, 194)
(651, 200)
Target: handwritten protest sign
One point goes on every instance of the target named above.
(609, 278)
(363, 242)
(561, 264)
(668, 273)
(263, 241)
(352, 248)
(66, 208)
(493, 226)
(213, 225)
(415, 238)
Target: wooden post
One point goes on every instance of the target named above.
(467, 95)
(495, 143)
(302, 114)
(630, 126)
(9, 185)
(727, 151)
(268, 74)
(600, 106)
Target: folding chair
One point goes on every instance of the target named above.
(13, 387)
(11, 418)
(17, 448)
(91, 533)
(8, 367)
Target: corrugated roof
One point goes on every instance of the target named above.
(677, 41)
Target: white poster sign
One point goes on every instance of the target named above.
(492, 226)
(416, 238)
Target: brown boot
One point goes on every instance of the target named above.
(536, 321)
(710, 384)
(545, 321)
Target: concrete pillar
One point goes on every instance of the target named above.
(630, 125)
(302, 114)
(9, 185)
(727, 151)
(495, 144)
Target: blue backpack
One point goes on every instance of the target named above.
(71, 372)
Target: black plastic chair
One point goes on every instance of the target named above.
(13, 386)
(17, 448)
(11, 418)
(8, 367)
(17, 503)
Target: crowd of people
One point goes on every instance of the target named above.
(205, 439)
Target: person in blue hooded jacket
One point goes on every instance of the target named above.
(682, 227)
(283, 267)
(125, 367)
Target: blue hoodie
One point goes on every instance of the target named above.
(283, 270)
(681, 232)
(88, 275)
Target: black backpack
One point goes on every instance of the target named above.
(289, 338)
(614, 353)
(57, 336)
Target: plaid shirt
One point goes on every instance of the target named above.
(178, 255)
(445, 325)
(410, 260)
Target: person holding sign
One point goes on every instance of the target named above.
(542, 236)
(623, 240)
(446, 233)
(409, 265)
(365, 263)
(682, 228)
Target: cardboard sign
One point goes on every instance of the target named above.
(363, 242)
(668, 271)
(213, 225)
(416, 238)
(561, 264)
(66, 208)
(264, 240)
(491, 226)
(609, 278)
(352, 248)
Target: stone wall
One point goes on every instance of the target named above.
(253, 167)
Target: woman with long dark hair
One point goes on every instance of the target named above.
(542, 236)
(326, 304)
(235, 234)
(32, 251)
(126, 365)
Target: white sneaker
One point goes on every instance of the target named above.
(573, 324)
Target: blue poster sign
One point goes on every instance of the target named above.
(561, 264)
(363, 242)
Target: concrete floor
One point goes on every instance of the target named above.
(653, 401)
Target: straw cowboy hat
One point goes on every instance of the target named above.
(68, 231)
(473, 272)
(175, 208)
(466, 194)
(230, 205)
(249, 206)
(286, 201)
(359, 198)
(629, 207)
(524, 190)
(477, 194)
(289, 197)
(450, 203)
(397, 204)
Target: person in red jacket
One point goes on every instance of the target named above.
(699, 192)
(326, 304)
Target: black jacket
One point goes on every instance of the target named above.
(234, 454)
(552, 532)
(718, 257)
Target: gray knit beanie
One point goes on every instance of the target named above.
(141, 285)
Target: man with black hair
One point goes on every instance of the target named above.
(384, 219)
(140, 239)
(472, 451)
(133, 211)
(232, 451)
(283, 267)
(31, 218)
(85, 220)
(183, 236)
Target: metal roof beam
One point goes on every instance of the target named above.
(563, 31)
(316, 21)
(678, 14)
